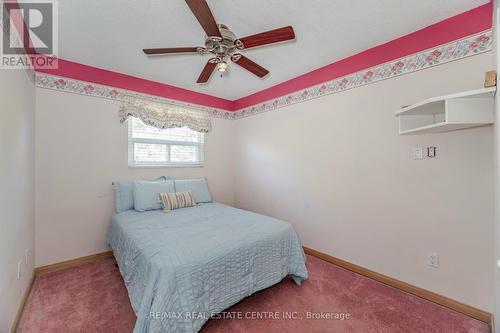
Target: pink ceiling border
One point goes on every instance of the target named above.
(468, 23)
(460, 49)
(455, 28)
(456, 50)
(105, 77)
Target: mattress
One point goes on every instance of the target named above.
(182, 267)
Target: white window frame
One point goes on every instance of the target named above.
(134, 164)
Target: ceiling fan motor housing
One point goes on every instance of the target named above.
(224, 47)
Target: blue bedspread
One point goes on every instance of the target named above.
(182, 267)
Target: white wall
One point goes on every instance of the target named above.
(17, 105)
(496, 50)
(336, 168)
(80, 149)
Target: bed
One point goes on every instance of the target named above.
(182, 267)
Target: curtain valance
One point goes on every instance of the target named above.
(162, 115)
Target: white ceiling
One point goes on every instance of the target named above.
(110, 34)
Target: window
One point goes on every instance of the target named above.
(151, 146)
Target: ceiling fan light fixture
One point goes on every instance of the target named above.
(222, 66)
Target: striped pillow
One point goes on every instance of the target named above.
(171, 201)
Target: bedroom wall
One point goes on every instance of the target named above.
(496, 53)
(80, 149)
(336, 168)
(17, 106)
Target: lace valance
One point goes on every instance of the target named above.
(162, 115)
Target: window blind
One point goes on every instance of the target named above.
(151, 146)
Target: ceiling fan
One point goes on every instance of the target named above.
(223, 44)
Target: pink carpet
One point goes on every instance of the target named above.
(92, 298)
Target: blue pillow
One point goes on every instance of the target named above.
(198, 186)
(124, 194)
(147, 194)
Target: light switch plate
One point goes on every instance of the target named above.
(418, 153)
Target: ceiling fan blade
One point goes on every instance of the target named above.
(171, 50)
(249, 65)
(207, 71)
(268, 37)
(203, 14)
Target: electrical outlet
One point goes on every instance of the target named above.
(431, 152)
(26, 256)
(433, 260)
(19, 270)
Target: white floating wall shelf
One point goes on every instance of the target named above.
(448, 113)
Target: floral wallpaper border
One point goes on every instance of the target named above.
(455, 50)
(466, 47)
(52, 82)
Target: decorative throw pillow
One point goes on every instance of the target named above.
(171, 201)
